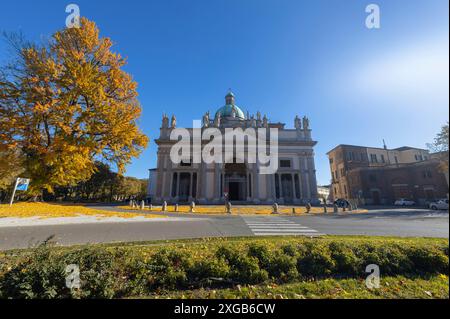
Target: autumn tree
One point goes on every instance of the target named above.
(67, 103)
(440, 148)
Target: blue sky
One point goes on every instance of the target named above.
(283, 58)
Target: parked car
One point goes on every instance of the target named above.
(404, 202)
(440, 204)
(340, 202)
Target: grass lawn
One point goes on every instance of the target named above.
(434, 287)
(247, 267)
(241, 209)
(47, 210)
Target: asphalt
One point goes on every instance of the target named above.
(402, 222)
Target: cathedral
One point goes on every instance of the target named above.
(241, 182)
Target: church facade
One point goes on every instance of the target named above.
(239, 181)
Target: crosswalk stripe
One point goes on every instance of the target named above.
(284, 230)
(272, 226)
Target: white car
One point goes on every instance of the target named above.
(404, 202)
(440, 204)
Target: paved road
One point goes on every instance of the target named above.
(389, 222)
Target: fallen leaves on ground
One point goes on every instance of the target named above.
(47, 210)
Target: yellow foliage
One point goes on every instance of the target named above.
(45, 210)
(69, 104)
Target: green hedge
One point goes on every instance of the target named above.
(130, 271)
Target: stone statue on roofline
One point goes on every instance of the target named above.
(217, 120)
(206, 119)
(297, 123)
(305, 123)
(173, 122)
(265, 121)
(165, 121)
(252, 121)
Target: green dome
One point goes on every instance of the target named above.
(226, 111)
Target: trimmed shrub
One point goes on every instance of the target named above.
(132, 271)
(283, 268)
(243, 269)
(289, 250)
(346, 261)
(315, 260)
(262, 253)
(167, 269)
(43, 275)
(208, 271)
(99, 272)
(428, 260)
(39, 275)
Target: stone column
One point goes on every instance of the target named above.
(300, 186)
(281, 189)
(312, 176)
(308, 186)
(177, 194)
(171, 184)
(166, 179)
(202, 196)
(255, 189)
(294, 193)
(217, 194)
(270, 188)
(223, 186)
(191, 184)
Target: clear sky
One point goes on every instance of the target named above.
(283, 58)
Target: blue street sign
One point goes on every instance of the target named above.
(22, 184)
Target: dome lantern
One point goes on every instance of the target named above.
(230, 108)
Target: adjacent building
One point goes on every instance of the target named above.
(213, 183)
(381, 175)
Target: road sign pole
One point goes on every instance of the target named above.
(14, 193)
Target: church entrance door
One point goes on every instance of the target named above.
(236, 181)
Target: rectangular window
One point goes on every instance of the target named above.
(382, 159)
(373, 158)
(396, 159)
(285, 163)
